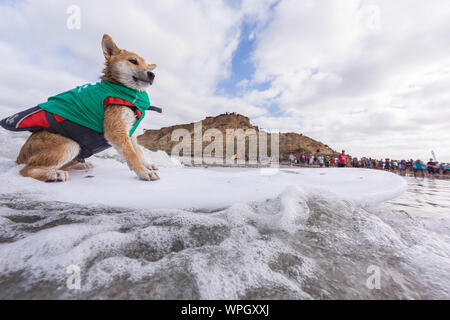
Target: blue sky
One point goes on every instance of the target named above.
(240, 79)
(243, 68)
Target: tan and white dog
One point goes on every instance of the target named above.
(49, 156)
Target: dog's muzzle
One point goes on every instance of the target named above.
(151, 77)
(145, 77)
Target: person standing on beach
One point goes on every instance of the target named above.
(387, 164)
(442, 168)
(321, 160)
(303, 158)
(446, 169)
(311, 159)
(342, 159)
(291, 158)
(402, 167)
(419, 167)
(431, 167)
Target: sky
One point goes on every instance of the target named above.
(370, 77)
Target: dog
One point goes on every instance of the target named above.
(72, 126)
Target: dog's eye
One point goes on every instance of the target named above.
(133, 61)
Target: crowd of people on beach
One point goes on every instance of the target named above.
(416, 167)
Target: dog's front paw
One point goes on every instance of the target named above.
(150, 166)
(147, 175)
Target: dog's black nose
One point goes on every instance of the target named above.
(151, 76)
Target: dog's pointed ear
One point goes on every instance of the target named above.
(151, 67)
(109, 47)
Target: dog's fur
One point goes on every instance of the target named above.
(49, 157)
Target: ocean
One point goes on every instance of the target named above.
(329, 249)
(299, 234)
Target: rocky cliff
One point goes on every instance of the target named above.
(161, 139)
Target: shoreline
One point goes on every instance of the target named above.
(404, 173)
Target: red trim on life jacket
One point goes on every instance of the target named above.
(113, 100)
(59, 118)
(37, 119)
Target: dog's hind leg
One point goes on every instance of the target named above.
(44, 154)
(77, 165)
(45, 174)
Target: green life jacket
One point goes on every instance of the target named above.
(86, 104)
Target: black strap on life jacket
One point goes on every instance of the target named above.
(154, 108)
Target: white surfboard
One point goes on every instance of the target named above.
(111, 183)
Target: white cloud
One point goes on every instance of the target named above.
(368, 76)
(191, 42)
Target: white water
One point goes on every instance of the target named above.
(221, 233)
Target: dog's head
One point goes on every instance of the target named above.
(126, 67)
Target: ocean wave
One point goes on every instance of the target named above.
(296, 235)
(299, 245)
